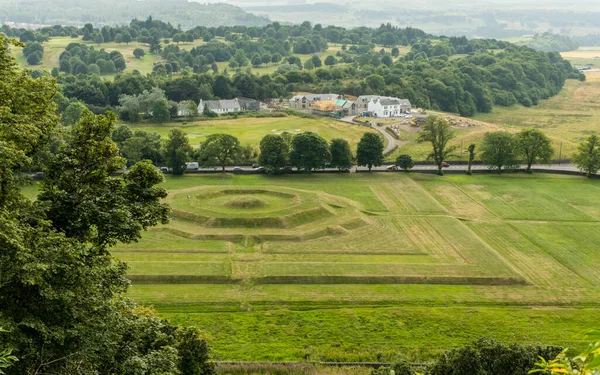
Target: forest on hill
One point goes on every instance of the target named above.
(188, 14)
(450, 74)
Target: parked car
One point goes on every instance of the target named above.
(260, 170)
(287, 169)
(164, 169)
(255, 165)
(445, 165)
(392, 168)
(38, 175)
(238, 170)
(193, 166)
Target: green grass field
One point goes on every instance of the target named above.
(252, 130)
(361, 267)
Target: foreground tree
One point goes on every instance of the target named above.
(60, 288)
(341, 154)
(587, 157)
(176, 151)
(309, 151)
(535, 146)
(487, 356)
(273, 153)
(436, 131)
(499, 151)
(220, 150)
(369, 151)
(405, 162)
(472, 153)
(586, 363)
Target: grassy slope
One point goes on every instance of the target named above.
(251, 130)
(546, 237)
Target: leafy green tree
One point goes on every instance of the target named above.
(436, 131)
(370, 151)
(138, 53)
(121, 134)
(34, 59)
(587, 157)
(219, 150)
(273, 153)
(316, 60)
(6, 357)
(341, 154)
(472, 153)
(486, 356)
(176, 151)
(405, 162)
(160, 111)
(499, 150)
(73, 113)
(141, 146)
(309, 151)
(535, 146)
(256, 60)
(330, 60)
(586, 363)
(78, 181)
(98, 38)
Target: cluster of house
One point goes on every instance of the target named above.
(321, 104)
(374, 105)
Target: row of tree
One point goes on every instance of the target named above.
(503, 150)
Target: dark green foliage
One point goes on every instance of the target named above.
(500, 150)
(193, 353)
(405, 162)
(437, 132)
(535, 146)
(472, 153)
(399, 368)
(369, 151)
(101, 210)
(341, 154)
(587, 157)
(219, 150)
(273, 153)
(138, 53)
(487, 356)
(309, 151)
(176, 151)
(34, 59)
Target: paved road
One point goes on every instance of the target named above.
(417, 168)
(391, 143)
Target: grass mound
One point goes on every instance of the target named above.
(246, 203)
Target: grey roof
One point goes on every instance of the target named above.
(367, 98)
(222, 104)
(313, 97)
(389, 102)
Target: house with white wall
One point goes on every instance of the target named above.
(388, 107)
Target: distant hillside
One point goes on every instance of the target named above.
(112, 12)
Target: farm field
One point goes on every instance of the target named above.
(360, 267)
(251, 130)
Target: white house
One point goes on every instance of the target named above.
(220, 106)
(388, 107)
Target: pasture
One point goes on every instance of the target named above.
(362, 267)
(252, 130)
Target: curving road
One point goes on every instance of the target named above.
(391, 143)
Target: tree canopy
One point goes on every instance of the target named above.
(309, 151)
(369, 151)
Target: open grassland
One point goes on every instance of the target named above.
(567, 118)
(252, 130)
(360, 267)
(585, 55)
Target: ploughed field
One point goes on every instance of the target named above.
(360, 267)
